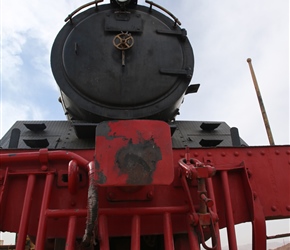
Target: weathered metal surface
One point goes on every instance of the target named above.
(138, 161)
(134, 153)
(64, 134)
(253, 182)
(95, 85)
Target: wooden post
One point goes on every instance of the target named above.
(262, 107)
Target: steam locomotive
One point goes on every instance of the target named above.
(122, 62)
(122, 172)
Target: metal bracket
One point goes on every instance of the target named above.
(183, 72)
(180, 33)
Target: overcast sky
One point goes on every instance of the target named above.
(223, 34)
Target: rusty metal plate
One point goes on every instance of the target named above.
(134, 153)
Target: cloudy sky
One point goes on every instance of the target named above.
(223, 33)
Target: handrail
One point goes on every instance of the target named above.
(69, 17)
(43, 154)
(165, 10)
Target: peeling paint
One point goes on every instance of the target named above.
(138, 161)
(101, 179)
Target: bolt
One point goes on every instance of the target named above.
(44, 168)
(274, 208)
(192, 220)
(249, 172)
(110, 196)
(254, 195)
(150, 195)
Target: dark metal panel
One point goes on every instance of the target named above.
(62, 134)
(192, 134)
(101, 82)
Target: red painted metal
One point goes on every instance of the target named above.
(71, 233)
(139, 152)
(229, 215)
(214, 209)
(168, 232)
(21, 238)
(41, 234)
(249, 182)
(103, 233)
(192, 237)
(73, 178)
(135, 234)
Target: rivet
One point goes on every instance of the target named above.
(182, 155)
(191, 219)
(288, 208)
(195, 154)
(249, 153)
(223, 154)
(254, 195)
(288, 152)
(236, 153)
(262, 152)
(110, 196)
(44, 168)
(274, 208)
(209, 154)
(277, 152)
(73, 203)
(150, 195)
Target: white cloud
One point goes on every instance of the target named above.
(12, 112)
(224, 34)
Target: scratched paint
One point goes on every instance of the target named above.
(104, 130)
(138, 161)
(101, 178)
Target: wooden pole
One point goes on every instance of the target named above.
(262, 107)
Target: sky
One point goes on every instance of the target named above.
(223, 34)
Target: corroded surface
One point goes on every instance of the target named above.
(138, 161)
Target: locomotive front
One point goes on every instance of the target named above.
(122, 61)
